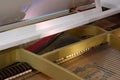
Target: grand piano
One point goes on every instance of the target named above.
(59, 39)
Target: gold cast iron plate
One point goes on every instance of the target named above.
(99, 63)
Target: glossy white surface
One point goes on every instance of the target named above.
(33, 11)
(111, 3)
(34, 20)
(29, 33)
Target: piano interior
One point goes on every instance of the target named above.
(90, 52)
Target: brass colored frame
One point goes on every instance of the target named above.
(46, 63)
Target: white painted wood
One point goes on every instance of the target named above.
(29, 33)
(111, 3)
(98, 5)
(34, 20)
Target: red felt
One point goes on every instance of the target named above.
(39, 44)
